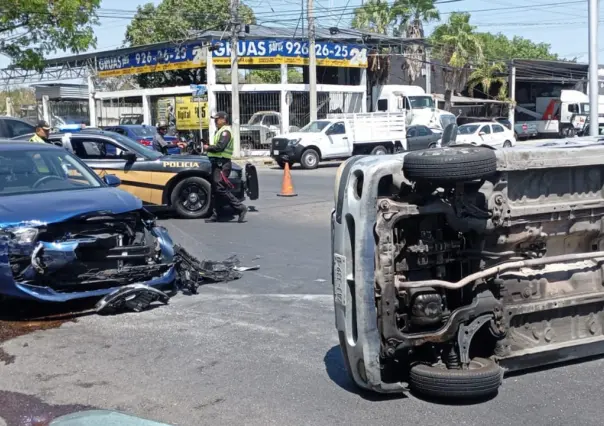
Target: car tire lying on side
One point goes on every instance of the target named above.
(481, 380)
(450, 164)
(191, 198)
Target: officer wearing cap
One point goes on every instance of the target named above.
(220, 152)
(42, 132)
(159, 143)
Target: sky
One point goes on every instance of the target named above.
(561, 24)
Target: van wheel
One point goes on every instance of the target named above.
(481, 379)
(310, 159)
(450, 164)
(379, 150)
(191, 198)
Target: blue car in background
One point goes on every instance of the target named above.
(66, 233)
(144, 134)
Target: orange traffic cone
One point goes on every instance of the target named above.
(287, 187)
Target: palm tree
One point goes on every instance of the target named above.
(487, 74)
(457, 45)
(413, 14)
(375, 16)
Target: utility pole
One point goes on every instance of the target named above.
(235, 77)
(312, 61)
(593, 68)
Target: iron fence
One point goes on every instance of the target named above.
(259, 117)
(111, 112)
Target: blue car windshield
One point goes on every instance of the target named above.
(36, 171)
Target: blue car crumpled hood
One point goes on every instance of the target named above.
(57, 206)
(29, 268)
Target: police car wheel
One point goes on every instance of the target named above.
(191, 198)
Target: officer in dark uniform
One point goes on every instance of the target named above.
(159, 143)
(220, 152)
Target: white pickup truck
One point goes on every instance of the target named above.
(341, 136)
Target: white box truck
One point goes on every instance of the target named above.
(562, 116)
(340, 136)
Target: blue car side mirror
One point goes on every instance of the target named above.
(112, 180)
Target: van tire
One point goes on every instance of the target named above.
(481, 380)
(450, 164)
(310, 159)
(379, 150)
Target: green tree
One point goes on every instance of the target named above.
(177, 21)
(498, 47)
(19, 98)
(457, 45)
(31, 29)
(376, 16)
(487, 74)
(274, 76)
(413, 15)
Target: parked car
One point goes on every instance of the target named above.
(421, 137)
(181, 182)
(66, 233)
(11, 127)
(492, 134)
(261, 128)
(144, 134)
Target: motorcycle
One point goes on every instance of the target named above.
(194, 147)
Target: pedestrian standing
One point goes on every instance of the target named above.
(220, 152)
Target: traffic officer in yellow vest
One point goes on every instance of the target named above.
(42, 133)
(220, 152)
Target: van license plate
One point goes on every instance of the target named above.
(339, 279)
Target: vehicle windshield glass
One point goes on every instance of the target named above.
(143, 131)
(315, 126)
(38, 171)
(256, 119)
(133, 146)
(467, 129)
(419, 102)
(584, 108)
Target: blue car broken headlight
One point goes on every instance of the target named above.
(24, 235)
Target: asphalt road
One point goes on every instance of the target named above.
(258, 351)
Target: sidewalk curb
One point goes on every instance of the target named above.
(256, 161)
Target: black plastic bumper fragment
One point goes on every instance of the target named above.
(135, 297)
(192, 272)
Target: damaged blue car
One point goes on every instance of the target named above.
(66, 234)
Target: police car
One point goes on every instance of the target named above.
(181, 182)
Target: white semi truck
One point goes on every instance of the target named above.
(419, 106)
(340, 136)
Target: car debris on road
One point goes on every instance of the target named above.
(191, 274)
